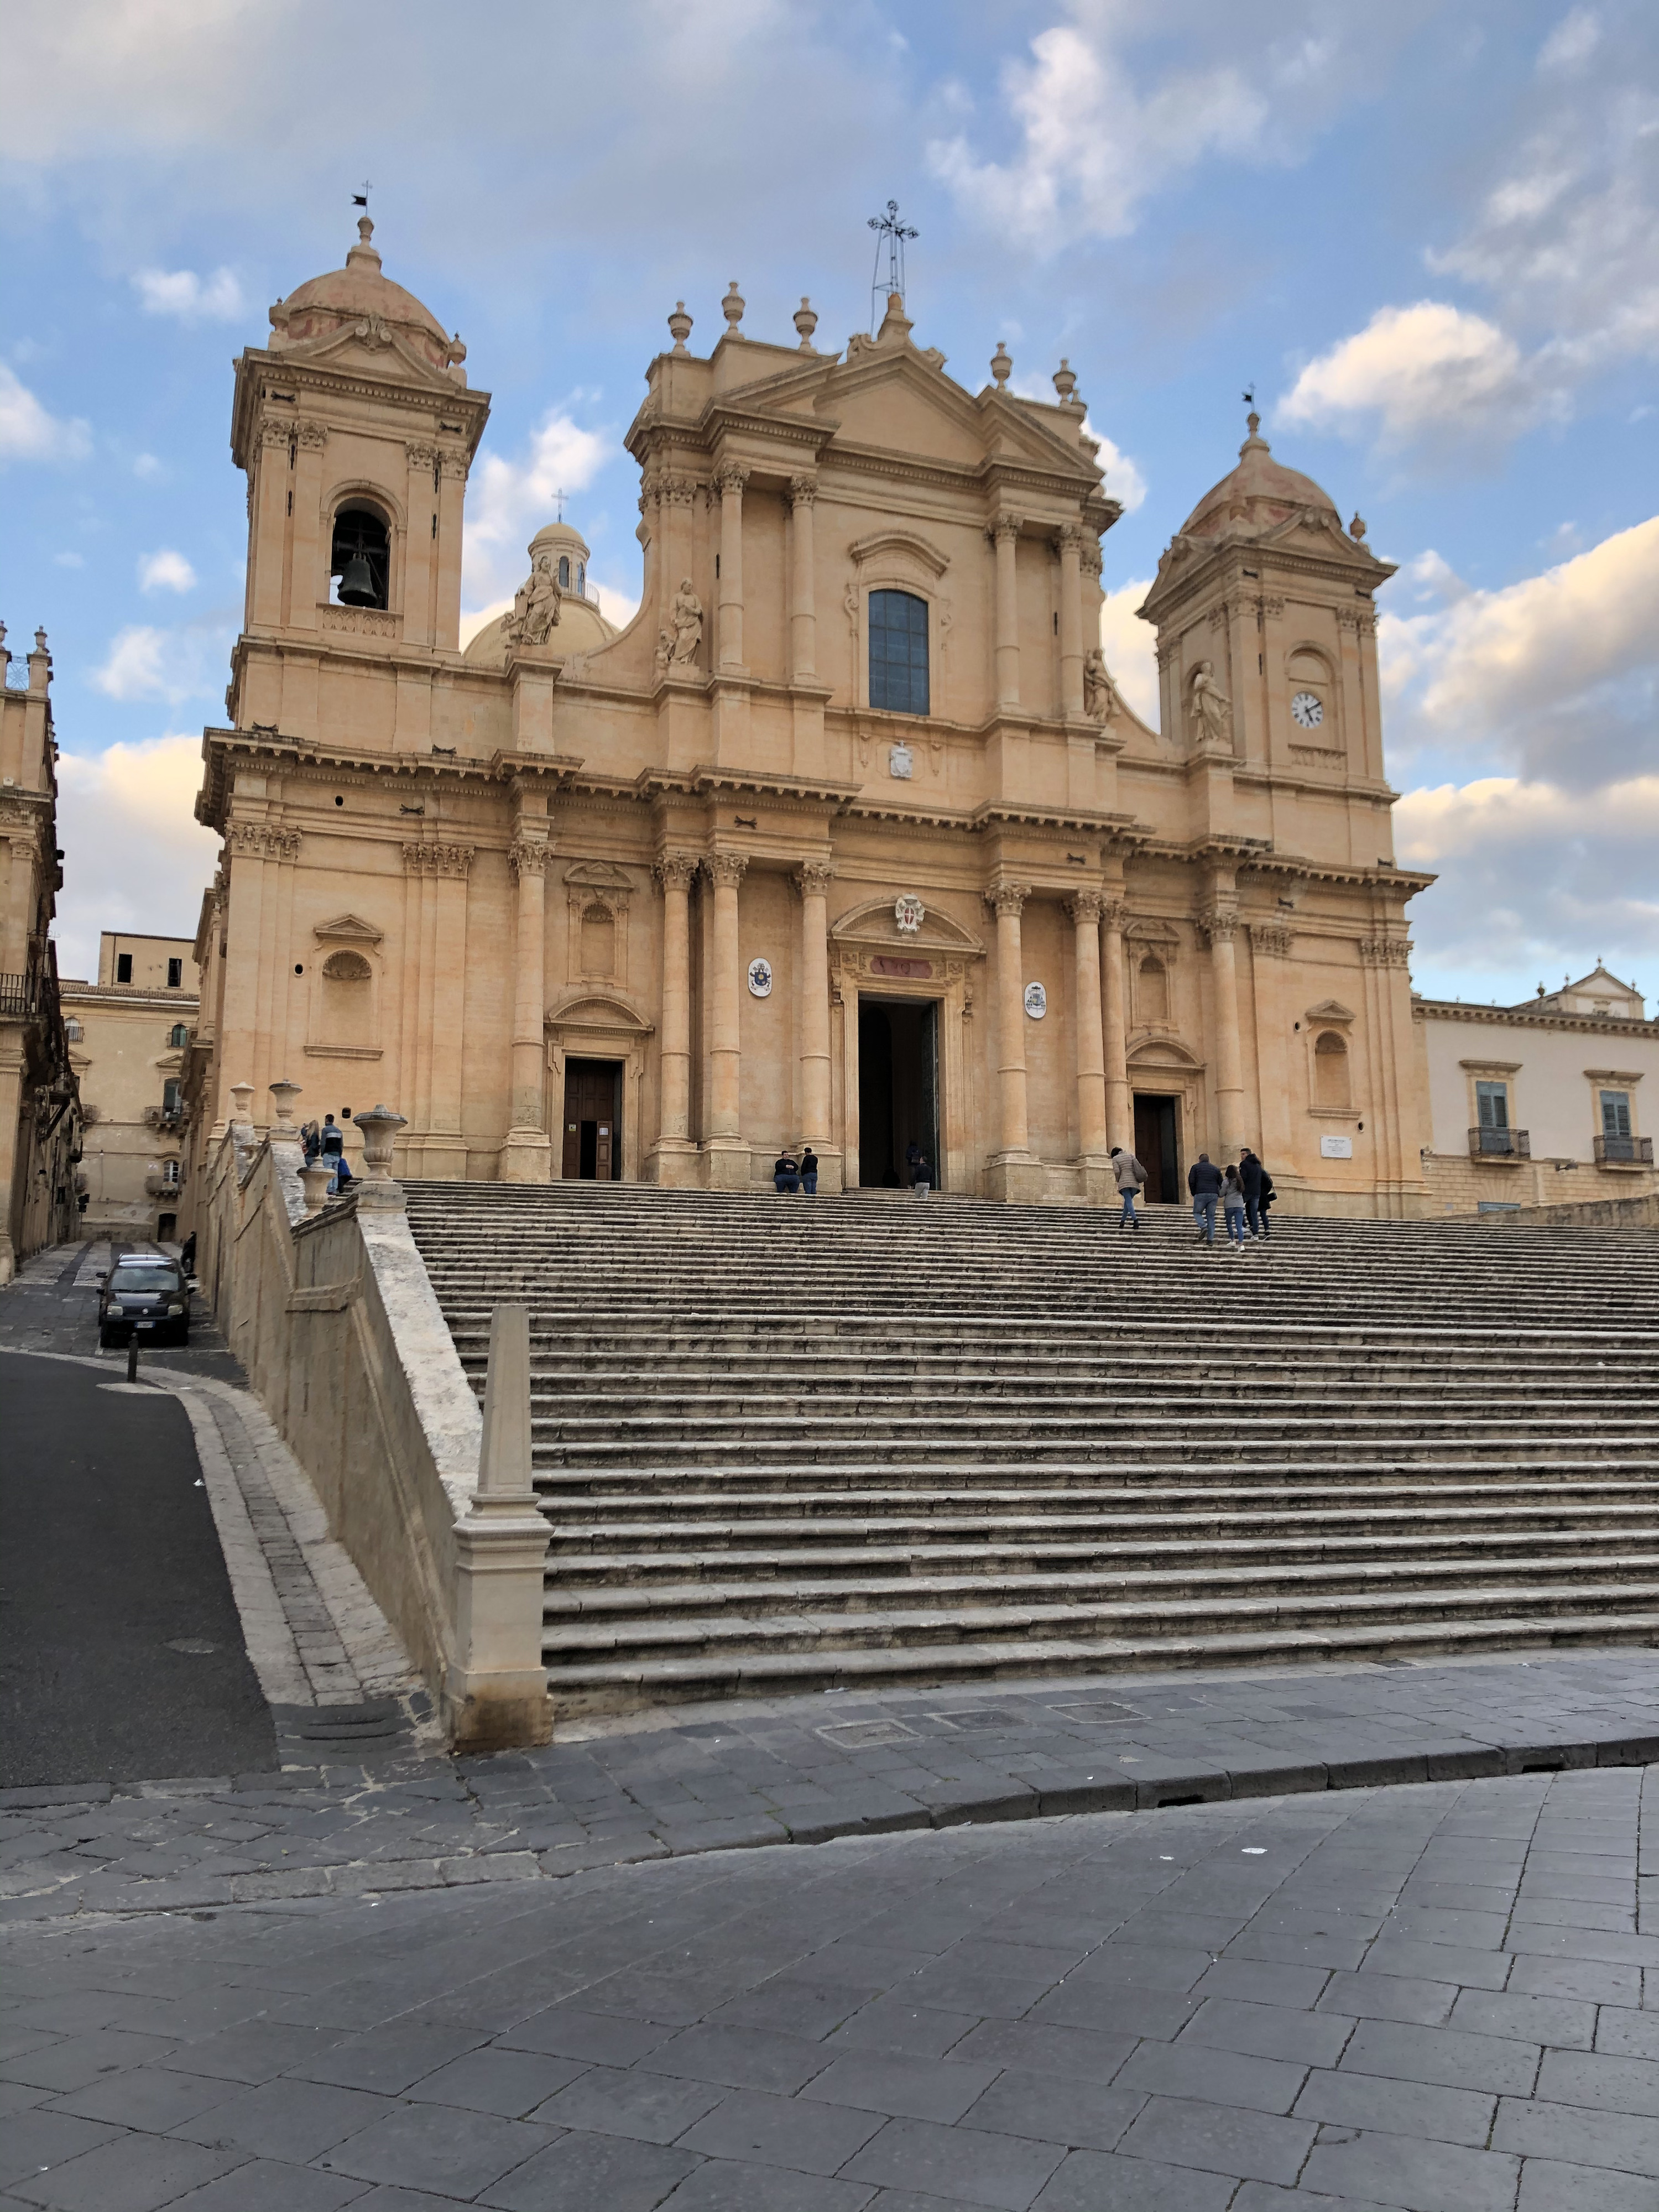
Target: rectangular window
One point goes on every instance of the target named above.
(1493, 1105)
(170, 1098)
(170, 1172)
(898, 652)
(175, 973)
(123, 966)
(1615, 1114)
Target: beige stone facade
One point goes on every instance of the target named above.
(847, 839)
(39, 1117)
(1550, 1102)
(128, 1034)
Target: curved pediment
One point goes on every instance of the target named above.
(585, 1008)
(873, 923)
(903, 544)
(1151, 1049)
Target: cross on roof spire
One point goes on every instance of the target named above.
(892, 230)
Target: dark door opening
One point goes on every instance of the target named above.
(167, 1228)
(898, 1089)
(1156, 1146)
(593, 1126)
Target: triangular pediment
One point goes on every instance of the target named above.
(348, 929)
(372, 348)
(1329, 1010)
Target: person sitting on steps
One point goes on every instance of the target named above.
(1129, 1176)
(1204, 1181)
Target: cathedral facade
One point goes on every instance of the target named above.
(847, 839)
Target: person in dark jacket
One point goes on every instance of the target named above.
(809, 1172)
(1252, 1175)
(1268, 1195)
(1204, 1181)
(786, 1172)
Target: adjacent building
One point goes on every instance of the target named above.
(847, 839)
(128, 1035)
(1543, 1103)
(40, 1123)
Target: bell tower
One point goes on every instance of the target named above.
(356, 430)
(1267, 631)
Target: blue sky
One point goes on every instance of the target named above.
(1427, 234)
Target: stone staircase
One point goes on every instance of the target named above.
(790, 1444)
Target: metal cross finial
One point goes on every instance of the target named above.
(894, 230)
(559, 495)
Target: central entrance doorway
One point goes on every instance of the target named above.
(898, 1089)
(1156, 1146)
(593, 1121)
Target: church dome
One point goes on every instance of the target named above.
(562, 551)
(1256, 496)
(358, 293)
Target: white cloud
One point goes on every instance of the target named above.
(190, 298)
(164, 572)
(1130, 647)
(508, 500)
(1573, 40)
(69, 559)
(143, 663)
(1124, 481)
(134, 856)
(146, 468)
(29, 433)
(1430, 371)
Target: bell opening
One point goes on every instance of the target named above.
(360, 558)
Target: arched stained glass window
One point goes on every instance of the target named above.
(898, 652)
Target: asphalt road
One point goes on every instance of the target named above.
(121, 1651)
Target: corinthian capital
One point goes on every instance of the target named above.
(676, 871)
(813, 878)
(803, 490)
(1007, 526)
(1218, 925)
(1086, 907)
(726, 870)
(1007, 898)
(528, 856)
(731, 477)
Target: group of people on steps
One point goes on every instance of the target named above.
(1244, 1192)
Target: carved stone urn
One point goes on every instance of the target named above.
(241, 1103)
(379, 1133)
(284, 1094)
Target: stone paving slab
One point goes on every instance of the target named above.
(1091, 2013)
(693, 1781)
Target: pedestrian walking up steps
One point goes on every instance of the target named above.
(788, 1443)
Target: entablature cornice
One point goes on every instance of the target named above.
(262, 377)
(1601, 1026)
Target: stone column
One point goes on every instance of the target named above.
(1071, 621)
(803, 615)
(1084, 909)
(1218, 925)
(1005, 531)
(726, 872)
(812, 881)
(1270, 952)
(272, 483)
(731, 481)
(527, 1156)
(420, 541)
(1013, 1173)
(675, 874)
(1120, 1099)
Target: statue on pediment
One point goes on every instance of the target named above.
(536, 606)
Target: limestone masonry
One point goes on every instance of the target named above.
(847, 840)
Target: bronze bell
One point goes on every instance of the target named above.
(356, 583)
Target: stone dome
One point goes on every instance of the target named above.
(360, 293)
(581, 626)
(1256, 496)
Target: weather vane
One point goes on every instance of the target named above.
(360, 199)
(891, 230)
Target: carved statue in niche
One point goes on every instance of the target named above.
(1211, 710)
(535, 607)
(1100, 697)
(687, 621)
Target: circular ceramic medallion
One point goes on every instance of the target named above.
(1036, 1001)
(760, 978)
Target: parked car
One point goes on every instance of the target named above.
(145, 1294)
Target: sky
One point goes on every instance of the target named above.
(1426, 236)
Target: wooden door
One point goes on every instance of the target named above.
(592, 1135)
(1156, 1146)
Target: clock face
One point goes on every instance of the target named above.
(1307, 709)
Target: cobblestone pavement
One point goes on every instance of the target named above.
(700, 1779)
(1428, 1997)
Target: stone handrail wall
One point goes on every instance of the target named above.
(1584, 1214)
(333, 1317)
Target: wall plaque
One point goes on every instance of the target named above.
(1036, 1001)
(760, 979)
(1336, 1148)
(884, 963)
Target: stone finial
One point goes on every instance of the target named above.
(1002, 367)
(679, 327)
(1357, 527)
(731, 307)
(242, 1101)
(40, 641)
(806, 321)
(1065, 381)
(284, 1094)
(315, 1179)
(379, 1131)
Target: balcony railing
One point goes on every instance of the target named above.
(1624, 1152)
(1500, 1144)
(20, 995)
